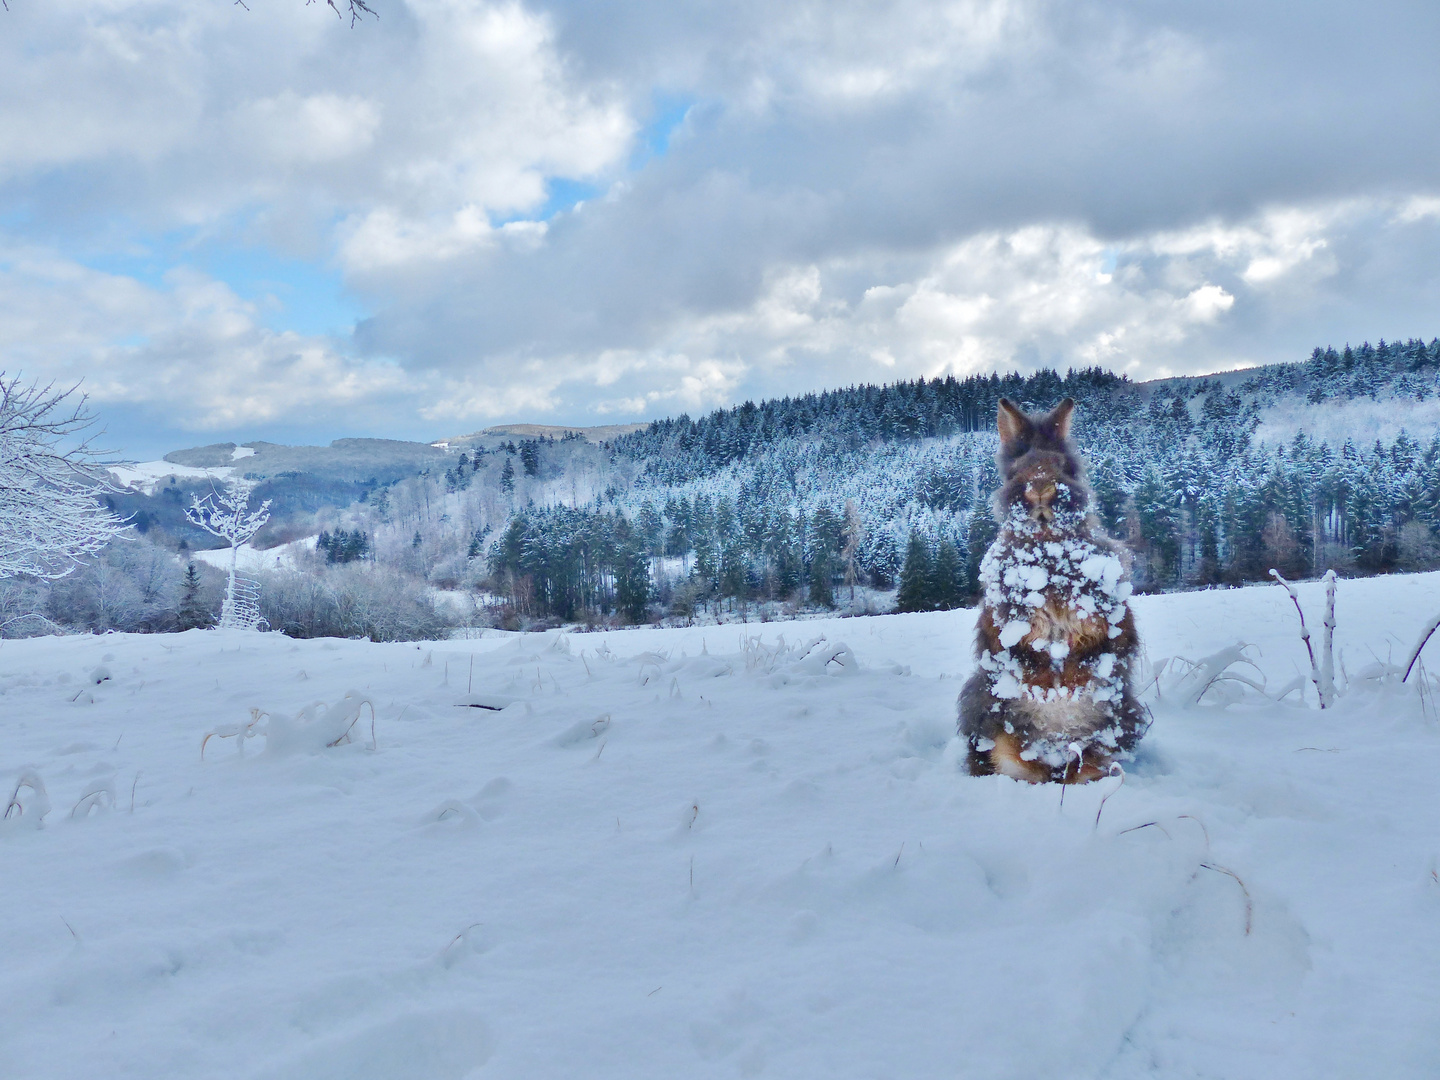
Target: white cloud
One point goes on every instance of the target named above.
(446, 107)
(859, 191)
(289, 128)
(192, 349)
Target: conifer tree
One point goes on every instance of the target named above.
(821, 579)
(191, 614)
(852, 533)
(915, 577)
(632, 572)
(947, 581)
(982, 533)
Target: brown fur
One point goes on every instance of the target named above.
(1042, 472)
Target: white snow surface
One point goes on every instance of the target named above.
(250, 559)
(149, 476)
(702, 852)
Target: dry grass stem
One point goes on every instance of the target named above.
(1249, 905)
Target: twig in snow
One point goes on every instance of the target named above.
(133, 784)
(1430, 629)
(1146, 825)
(37, 787)
(67, 922)
(90, 800)
(1249, 905)
(346, 733)
(898, 854)
(1079, 752)
(1203, 829)
(470, 682)
(458, 937)
(1327, 653)
(657, 989)
(1114, 770)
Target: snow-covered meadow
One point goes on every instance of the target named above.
(702, 852)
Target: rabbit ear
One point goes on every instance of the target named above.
(1014, 425)
(1060, 417)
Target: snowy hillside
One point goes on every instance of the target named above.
(707, 852)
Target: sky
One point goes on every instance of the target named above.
(233, 223)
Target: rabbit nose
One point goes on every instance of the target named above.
(1040, 494)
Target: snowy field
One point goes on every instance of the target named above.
(251, 560)
(705, 852)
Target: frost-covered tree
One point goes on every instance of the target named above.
(49, 514)
(947, 578)
(915, 577)
(853, 538)
(228, 515)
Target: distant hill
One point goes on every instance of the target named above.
(489, 437)
(354, 460)
(1299, 466)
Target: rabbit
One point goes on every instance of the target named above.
(1052, 696)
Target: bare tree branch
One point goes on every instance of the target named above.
(357, 9)
(49, 516)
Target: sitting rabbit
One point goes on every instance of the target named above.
(1051, 698)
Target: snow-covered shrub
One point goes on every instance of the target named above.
(352, 600)
(129, 587)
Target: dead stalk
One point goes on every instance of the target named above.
(1249, 905)
(90, 795)
(1415, 652)
(1115, 770)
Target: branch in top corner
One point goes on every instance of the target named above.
(357, 9)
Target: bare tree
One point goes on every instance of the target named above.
(49, 513)
(228, 515)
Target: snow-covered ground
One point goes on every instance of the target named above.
(699, 852)
(249, 559)
(149, 476)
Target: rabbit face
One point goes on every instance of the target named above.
(1046, 485)
(1040, 467)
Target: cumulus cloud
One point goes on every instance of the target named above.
(189, 349)
(856, 191)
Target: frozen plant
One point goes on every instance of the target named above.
(30, 811)
(1430, 628)
(228, 515)
(49, 516)
(316, 727)
(1191, 680)
(1322, 673)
